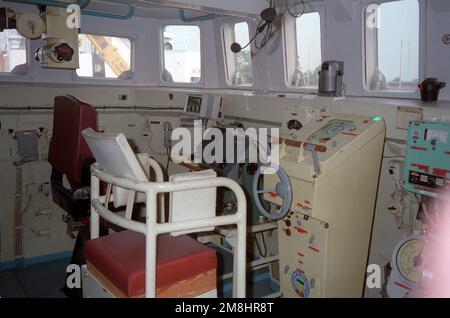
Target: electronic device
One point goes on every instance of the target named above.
(60, 49)
(330, 79)
(27, 142)
(203, 106)
(325, 188)
(427, 163)
(294, 119)
(429, 89)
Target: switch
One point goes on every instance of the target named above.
(287, 231)
(287, 222)
(312, 239)
(312, 282)
(286, 269)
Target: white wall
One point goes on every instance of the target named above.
(343, 41)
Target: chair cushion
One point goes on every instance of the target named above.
(120, 257)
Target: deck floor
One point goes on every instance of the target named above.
(46, 280)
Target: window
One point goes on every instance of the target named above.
(238, 66)
(392, 46)
(13, 52)
(104, 57)
(304, 54)
(182, 54)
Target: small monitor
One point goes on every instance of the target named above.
(193, 105)
(203, 106)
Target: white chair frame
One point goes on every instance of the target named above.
(151, 228)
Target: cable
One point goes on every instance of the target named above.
(288, 9)
(268, 16)
(258, 247)
(168, 160)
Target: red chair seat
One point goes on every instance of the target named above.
(120, 257)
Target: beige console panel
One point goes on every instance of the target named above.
(324, 240)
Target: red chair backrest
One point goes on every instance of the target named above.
(68, 149)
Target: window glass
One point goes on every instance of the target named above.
(13, 51)
(309, 50)
(104, 56)
(182, 54)
(394, 28)
(243, 71)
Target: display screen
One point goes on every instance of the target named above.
(439, 135)
(193, 104)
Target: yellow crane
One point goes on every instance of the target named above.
(109, 54)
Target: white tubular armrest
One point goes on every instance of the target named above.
(159, 176)
(152, 228)
(117, 219)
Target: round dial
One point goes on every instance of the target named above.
(30, 25)
(410, 259)
(294, 127)
(294, 124)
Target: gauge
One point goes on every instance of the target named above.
(294, 124)
(410, 258)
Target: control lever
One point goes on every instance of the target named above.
(311, 148)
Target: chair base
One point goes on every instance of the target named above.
(96, 285)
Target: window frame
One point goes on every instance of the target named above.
(9, 75)
(133, 43)
(227, 33)
(290, 47)
(162, 57)
(391, 93)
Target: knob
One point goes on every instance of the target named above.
(63, 52)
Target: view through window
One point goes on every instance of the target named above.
(309, 49)
(13, 50)
(104, 56)
(243, 68)
(398, 43)
(182, 54)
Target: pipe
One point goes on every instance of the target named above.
(81, 4)
(127, 16)
(51, 3)
(199, 18)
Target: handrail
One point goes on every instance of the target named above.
(51, 3)
(81, 4)
(152, 229)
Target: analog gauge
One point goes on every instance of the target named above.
(410, 258)
(294, 124)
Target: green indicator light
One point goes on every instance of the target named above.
(376, 118)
